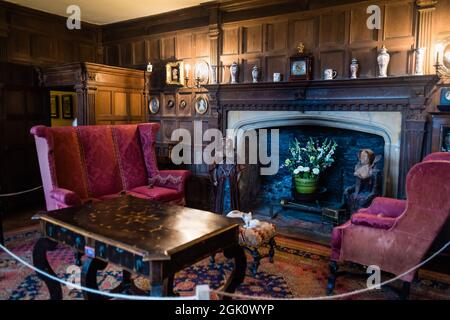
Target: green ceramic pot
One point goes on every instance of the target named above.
(305, 186)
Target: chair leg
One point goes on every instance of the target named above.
(212, 261)
(332, 277)
(78, 256)
(256, 261)
(406, 288)
(272, 244)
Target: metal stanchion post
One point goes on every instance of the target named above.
(2, 239)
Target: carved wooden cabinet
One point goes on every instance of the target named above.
(440, 134)
(105, 94)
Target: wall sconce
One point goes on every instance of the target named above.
(201, 74)
(442, 61)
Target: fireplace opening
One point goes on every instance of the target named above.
(262, 194)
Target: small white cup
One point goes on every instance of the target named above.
(329, 74)
(276, 77)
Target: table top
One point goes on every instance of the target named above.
(152, 229)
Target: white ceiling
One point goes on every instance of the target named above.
(109, 11)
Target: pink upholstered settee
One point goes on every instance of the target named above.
(396, 234)
(100, 162)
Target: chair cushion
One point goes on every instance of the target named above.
(129, 155)
(156, 193)
(102, 168)
(373, 221)
(257, 236)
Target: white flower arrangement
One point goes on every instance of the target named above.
(311, 160)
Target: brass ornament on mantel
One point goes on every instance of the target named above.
(300, 48)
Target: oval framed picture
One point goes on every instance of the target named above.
(153, 105)
(183, 104)
(170, 104)
(201, 105)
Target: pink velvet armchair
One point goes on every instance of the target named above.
(396, 234)
(95, 163)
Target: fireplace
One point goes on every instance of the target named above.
(387, 115)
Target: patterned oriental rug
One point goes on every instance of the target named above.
(300, 270)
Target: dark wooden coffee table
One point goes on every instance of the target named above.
(147, 238)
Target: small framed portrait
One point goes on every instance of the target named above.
(300, 65)
(175, 73)
(67, 107)
(201, 105)
(54, 106)
(153, 105)
(183, 104)
(170, 104)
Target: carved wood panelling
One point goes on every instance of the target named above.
(38, 38)
(332, 28)
(153, 49)
(202, 48)
(139, 55)
(334, 60)
(184, 46)
(306, 31)
(359, 33)
(275, 64)
(252, 38)
(103, 103)
(398, 20)
(120, 104)
(230, 43)
(168, 48)
(277, 36)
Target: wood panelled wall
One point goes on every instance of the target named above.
(34, 37)
(30, 38)
(333, 35)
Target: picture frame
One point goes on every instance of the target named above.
(175, 73)
(153, 105)
(67, 106)
(201, 105)
(54, 106)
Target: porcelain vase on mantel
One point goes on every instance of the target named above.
(383, 62)
(234, 71)
(420, 57)
(255, 74)
(354, 68)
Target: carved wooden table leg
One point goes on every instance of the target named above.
(240, 265)
(89, 277)
(42, 246)
(159, 285)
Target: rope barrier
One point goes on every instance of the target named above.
(202, 289)
(5, 195)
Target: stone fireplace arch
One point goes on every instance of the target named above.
(385, 124)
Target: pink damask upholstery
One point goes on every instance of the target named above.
(396, 241)
(95, 163)
(102, 168)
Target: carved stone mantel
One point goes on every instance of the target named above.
(408, 95)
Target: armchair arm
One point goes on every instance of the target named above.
(385, 207)
(65, 197)
(172, 179)
(373, 221)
